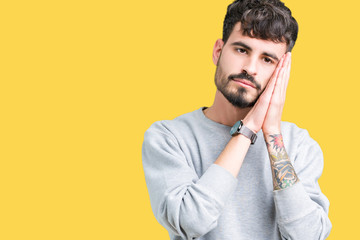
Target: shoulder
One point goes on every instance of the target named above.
(294, 133)
(306, 150)
(174, 127)
(291, 128)
(299, 139)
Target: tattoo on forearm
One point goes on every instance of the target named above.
(282, 170)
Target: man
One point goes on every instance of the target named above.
(212, 176)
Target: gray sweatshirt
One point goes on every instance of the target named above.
(193, 198)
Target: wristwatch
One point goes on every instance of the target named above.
(240, 128)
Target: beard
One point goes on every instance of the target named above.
(237, 97)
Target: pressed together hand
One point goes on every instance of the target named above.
(267, 111)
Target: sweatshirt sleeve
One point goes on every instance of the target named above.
(186, 205)
(302, 210)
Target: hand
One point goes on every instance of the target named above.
(272, 119)
(256, 116)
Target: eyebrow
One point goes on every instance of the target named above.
(273, 56)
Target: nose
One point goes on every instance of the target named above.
(250, 66)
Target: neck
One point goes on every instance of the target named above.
(223, 112)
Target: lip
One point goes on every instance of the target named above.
(244, 83)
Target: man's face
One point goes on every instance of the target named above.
(245, 66)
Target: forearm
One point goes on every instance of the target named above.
(192, 210)
(283, 172)
(295, 209)
(186, 204)
(232, 157)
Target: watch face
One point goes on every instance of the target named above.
(234, 128)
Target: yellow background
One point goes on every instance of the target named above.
(81, 81)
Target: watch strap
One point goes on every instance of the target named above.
(247, 133)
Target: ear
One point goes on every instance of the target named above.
(217, 50)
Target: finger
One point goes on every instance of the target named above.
(288, 74)
(280, 79)
(274, 77)
(287, 68)
(279, 66)
(269, 89)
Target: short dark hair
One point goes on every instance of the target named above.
(262, 19)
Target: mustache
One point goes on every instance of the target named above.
(245, 76)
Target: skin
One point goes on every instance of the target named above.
(269, 65)
(283, 172)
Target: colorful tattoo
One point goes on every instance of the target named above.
(282, 170)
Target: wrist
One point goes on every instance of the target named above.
(269, 137)
(273, 130)
(242, 138)
(274, 142)
(250, 125)
(240, 128)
